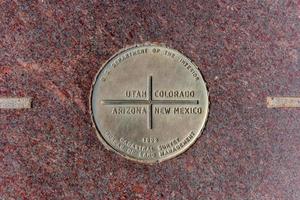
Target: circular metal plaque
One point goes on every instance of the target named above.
(149, 103)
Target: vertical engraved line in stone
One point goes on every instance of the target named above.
(150, 107)
(150, 88)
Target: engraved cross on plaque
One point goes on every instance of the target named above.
(150, 102)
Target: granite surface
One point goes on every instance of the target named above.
(247, 50)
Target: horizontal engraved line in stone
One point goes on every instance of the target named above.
(283, 102)
(147, 102)
(15, 102)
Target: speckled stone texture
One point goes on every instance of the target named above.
(247, 50)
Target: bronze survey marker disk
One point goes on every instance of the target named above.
(149, 103)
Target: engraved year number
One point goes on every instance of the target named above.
(150, 139)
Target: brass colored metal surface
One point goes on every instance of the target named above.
(149, 103)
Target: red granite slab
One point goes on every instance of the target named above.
(247, 50)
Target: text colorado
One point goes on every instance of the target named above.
(174, 93)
